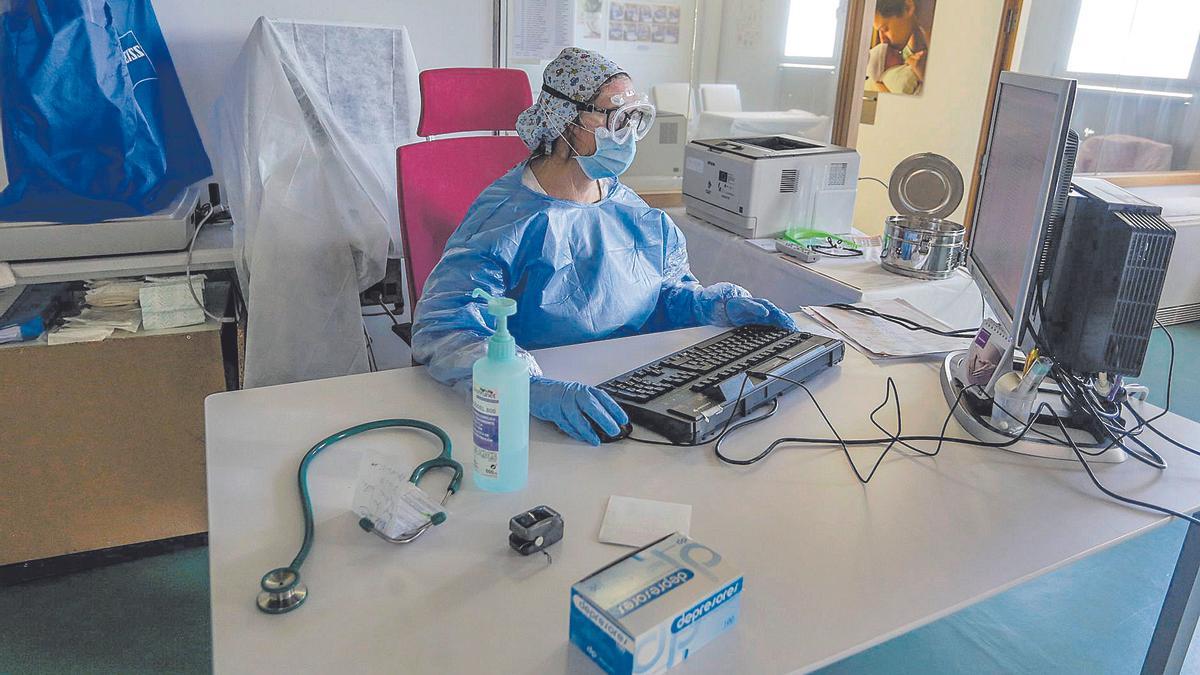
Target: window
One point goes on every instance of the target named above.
(1139, 79)
(1138, 38)
(812, 29)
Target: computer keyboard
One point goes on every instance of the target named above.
(689, 396)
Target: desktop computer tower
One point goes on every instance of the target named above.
(1110, 261)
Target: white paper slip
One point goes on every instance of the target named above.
(630, 521)
(879, 338)
(71, 334)
(765, 244)
(386, 496)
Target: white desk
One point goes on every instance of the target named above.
(831, 566)
(213, 250)
(719, 255)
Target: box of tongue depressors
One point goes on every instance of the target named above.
(653, 608)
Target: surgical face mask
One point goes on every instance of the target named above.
(614, 153)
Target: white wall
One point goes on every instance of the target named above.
(945, 119)
(205, 36)
(647, 64)
(751, 49)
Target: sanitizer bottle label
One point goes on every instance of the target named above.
(486, 403)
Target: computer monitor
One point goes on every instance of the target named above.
(1019, 177)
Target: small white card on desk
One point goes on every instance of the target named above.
(630, 521)
(767, 245)
(386, 496)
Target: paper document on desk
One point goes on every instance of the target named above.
(880, 339)
(630, 521)
(69, 334)
(385, 495)
(128, 319)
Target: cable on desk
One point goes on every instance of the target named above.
(1070, 389)
(894, 439)
(907, 324)
(870, 178)
(1150, 457)
(1127, 500)
(1079, 395)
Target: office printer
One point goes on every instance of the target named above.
(760, 187)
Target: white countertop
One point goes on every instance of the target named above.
(718, 255)
(831, 566)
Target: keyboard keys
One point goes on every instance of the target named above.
(704, 365)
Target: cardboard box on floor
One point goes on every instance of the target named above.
(102, 443)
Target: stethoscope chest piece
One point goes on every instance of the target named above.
(281, 591)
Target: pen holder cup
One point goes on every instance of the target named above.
(1011, 410)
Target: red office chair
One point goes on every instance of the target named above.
(438, 179)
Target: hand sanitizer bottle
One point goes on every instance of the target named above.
(500, 398)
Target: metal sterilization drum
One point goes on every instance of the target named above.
(924, 248)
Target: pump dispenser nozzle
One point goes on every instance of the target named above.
(501, 346)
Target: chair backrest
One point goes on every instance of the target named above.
(1120, 152)
(720, 98)
(438, 179)
(675, 97)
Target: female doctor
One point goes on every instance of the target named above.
(584, 257)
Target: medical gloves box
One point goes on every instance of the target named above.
(655, 607)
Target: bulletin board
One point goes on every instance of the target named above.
(652, 39)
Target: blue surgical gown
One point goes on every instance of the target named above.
(579, 272)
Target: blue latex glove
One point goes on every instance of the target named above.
(570, 404)
(742, 311)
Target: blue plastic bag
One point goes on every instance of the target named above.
(95, 124)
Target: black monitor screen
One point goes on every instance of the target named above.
(1025, 141)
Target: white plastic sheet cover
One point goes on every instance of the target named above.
(306, 134)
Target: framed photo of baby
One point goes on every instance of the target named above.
(900, 46)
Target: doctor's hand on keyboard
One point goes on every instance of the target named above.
(745, 311)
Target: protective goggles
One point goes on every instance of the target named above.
(634, 111)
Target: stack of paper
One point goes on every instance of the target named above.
(128, 319)
(70, 334)
(880, 339)
(113, 292)
(109, 305)
(168, 303)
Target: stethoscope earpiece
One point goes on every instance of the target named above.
(281, 591)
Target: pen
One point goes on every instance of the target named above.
(1034, 374)
(1033, 356)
